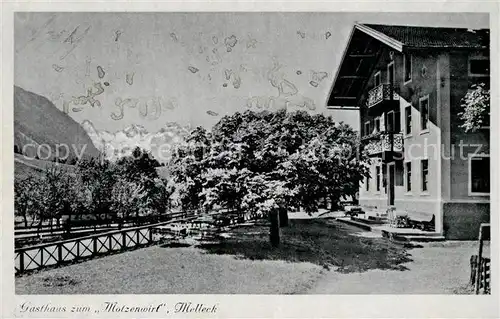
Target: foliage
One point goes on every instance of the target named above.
(97, 188)
(258, 162)
(476, 108)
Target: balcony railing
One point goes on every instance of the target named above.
(381, 93)
(384, 142)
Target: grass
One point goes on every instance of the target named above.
(322, 242)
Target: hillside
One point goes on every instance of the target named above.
(38, 121)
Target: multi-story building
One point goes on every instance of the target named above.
(408, 83)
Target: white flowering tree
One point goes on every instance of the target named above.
(475, 108)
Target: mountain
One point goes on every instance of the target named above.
(39, 122)
(121, 143)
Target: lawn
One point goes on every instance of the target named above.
(242, 264)
(323, 242)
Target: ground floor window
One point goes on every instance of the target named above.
(377, 176)
(479, 174)
(425, 174)
(408, 176)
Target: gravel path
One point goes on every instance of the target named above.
(157, 270)
(437, 268)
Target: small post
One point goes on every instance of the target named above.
(137, 235)
(124, 240)
(41, 257)
(479, 260)
(110, 242)
(95, 245)
(150, 235)
(77, 249)
(59, 253)
(21, 261)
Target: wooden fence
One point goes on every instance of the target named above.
(481, 266)
(87, 247)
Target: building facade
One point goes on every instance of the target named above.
(408, 83)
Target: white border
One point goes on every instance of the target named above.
(251, 306)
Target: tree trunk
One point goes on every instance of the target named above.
(274, 232)
(25, 217)
(283, 216)
(333, 203)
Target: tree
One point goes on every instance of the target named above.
(25, 194)
(476, 108)
(265, 163)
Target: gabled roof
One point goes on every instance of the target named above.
(367, 40)
(433, 37)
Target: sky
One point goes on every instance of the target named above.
(117, 69)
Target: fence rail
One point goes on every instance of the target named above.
(66, 251)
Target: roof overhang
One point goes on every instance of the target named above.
(358, 60)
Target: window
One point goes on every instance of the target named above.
(367, 183)
(377, 176)
(424, 113)
(397, 121)
(407, 67)
(424, 164)
(384, 178)
(408, 120)
(479, 174)
(390, 73)
(367, 128)
(390, 121)
(408, 176)
(377, 124)
(377, 78)
(479, 66)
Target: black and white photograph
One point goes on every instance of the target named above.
(260, 153)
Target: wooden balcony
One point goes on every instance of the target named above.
(380, 95)
(384, 144)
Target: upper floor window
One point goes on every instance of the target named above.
(408, 120)
(479, 66)
(390, 73)
(389, 121)
(367, 128)
(424, 113)
(377, 79)
(377, 124)
(479, 174)
(407, 66)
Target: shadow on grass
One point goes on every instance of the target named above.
(322, 242)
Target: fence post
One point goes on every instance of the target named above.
(41, 257)
(95, 245)
(21, 261)
(59, 253)
(137, 235)
(479, 261)
(150, 234)
(110, 243)
(124, 240)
